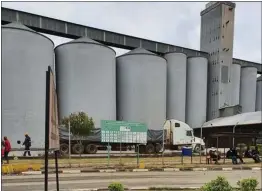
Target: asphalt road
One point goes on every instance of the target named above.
(129, 179)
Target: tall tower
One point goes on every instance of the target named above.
(217, 33)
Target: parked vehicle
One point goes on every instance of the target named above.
(177, 134)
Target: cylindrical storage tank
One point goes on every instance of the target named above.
(248, 89)
(196, 95)
(86, 79)
(176, 85)
(259, 94)
(235, 84)
(141, 88)
(26, 56)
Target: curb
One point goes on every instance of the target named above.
(139, 170)
(132, 188)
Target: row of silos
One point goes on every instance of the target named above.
(138, 86)
(152, 89)
(245, 88)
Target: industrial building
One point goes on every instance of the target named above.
(240, 123)
(151, 83)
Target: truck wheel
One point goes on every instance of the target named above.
(150, 149)
(91, 149)
(158, 147)
(64, 149)
(197, 148)
(78, 149)
(141, 149)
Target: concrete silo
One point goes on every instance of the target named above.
(176, 85)
(141, 88)
(196, 95)
(26, 56)
(86, 79)
(259, 94)
(248, 89)
(235, 84)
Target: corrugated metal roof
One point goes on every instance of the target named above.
(240, 119)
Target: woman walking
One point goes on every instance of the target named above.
(7, 149)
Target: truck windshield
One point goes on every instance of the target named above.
(189, 133)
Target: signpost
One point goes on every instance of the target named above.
(123, 132)
(51, 125)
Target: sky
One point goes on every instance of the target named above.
(176, 23)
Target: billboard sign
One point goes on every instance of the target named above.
(123, 132)
(52, 120)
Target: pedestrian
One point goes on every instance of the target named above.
(235, 154)
(27, 144)
(2, 151)
(255, 154)
(7, 149)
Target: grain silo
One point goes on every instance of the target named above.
(86, 79)
(26, 56)
(259, 94)
(248, 89)
(196, 95)
(176, 85)
(235, 84)
(141, 88)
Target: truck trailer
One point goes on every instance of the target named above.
(177, 134)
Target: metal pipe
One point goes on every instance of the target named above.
(120, 146)
(47, 113)
(56, 170)
(201, 136)
(69, 140)
(234, 134)
(164, 142)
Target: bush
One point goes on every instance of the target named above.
(249, 184)
(116, 187)
(219, 184)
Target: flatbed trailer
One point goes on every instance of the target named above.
(92, 143)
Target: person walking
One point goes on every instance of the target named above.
(27, 144)
(2, 151)
(7, 149)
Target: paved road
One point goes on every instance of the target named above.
(129, 179)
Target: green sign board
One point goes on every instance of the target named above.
(123, 132)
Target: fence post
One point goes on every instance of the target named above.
(224, 155)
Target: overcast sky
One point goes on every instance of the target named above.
(176, 23)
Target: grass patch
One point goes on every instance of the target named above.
(153, 162)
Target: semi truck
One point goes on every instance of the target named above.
(177, 134)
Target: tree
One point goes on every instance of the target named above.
(80, 123)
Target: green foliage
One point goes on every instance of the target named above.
(248, 184)
(80, 123)
(219, 184)
(115, 186)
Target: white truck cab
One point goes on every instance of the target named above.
(179, 134)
